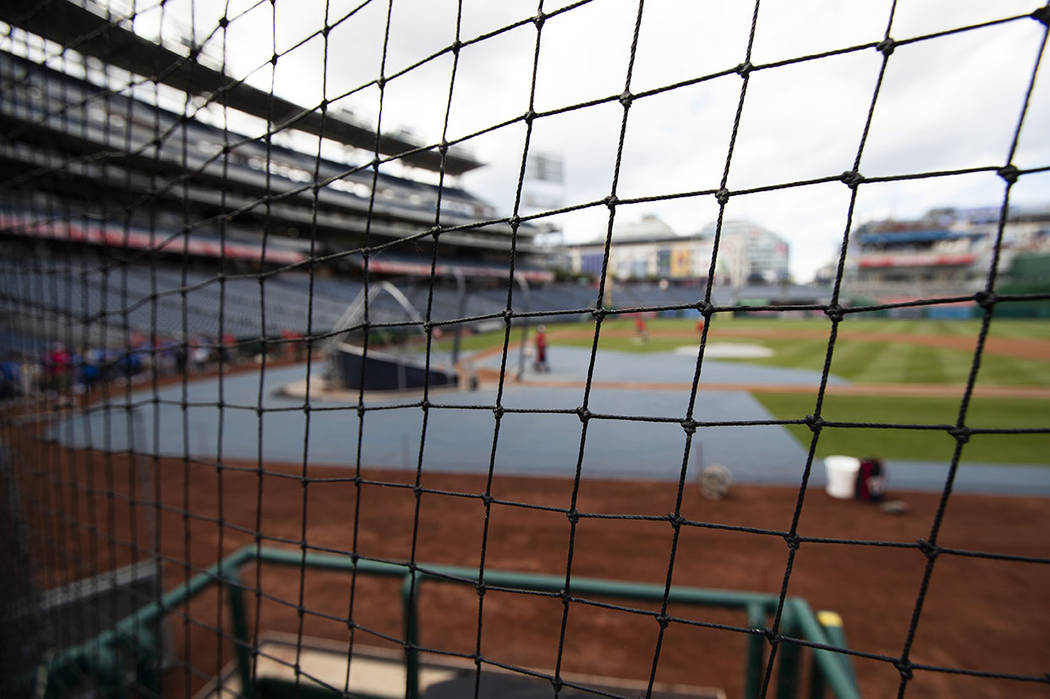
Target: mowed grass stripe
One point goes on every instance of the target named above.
(986, 412)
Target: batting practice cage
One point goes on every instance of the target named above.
(398, 348)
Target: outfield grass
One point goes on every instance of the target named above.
(1016, 413)
(860, 361)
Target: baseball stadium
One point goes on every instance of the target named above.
(455, 349)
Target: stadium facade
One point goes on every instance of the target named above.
(945, 252)
(131, 174)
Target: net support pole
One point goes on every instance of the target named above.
(836, 668)
(242, 645)
(787, 676)
(756, 620)
(461, 312)
(524, 324)
(409, 591)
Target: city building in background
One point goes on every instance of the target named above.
(750, 254)
(649, 250)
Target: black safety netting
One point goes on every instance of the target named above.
(191, 260)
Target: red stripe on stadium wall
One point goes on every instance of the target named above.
(141, 240)
(916, 260)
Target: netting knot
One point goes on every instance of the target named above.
(961, 434)
(507, 316)
(300, 610)
(1008, 173)
(375, 163)
(480, 587)
(381, 82)
(584, 414)
(626, 99)
(498, 411)
(905, 668)
(599, 314)
(705, 309)
(984, 299)
(851, 178)
(574, 517)
(835, 313)
(1043, 15)
(676, 520)
(273, 59)
(435, 232)
(744, 69)
(792, 541)
(325, 31)
(886, 46)
(814, 423)
(514, 221)
(722, 196)
(557, 683)
(539, 20)
(611, 201)
(456, 46)
(689, 426)
(425, 404)
(530, 116)
(931, 551)
(663, 620)
(443, 147)
(486, 499)
(224, 22)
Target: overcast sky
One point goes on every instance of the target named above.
(951, 102)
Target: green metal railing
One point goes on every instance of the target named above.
(100, 657)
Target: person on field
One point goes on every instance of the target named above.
(541, 364)
(640, 329)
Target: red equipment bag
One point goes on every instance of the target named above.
(871, 483)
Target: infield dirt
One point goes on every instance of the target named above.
(978, 613)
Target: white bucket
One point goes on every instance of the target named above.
(842, 475)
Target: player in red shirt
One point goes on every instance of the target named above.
(541, 350)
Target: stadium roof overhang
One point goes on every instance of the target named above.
(90, 34)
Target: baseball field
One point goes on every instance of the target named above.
(898, 371)
(983, 613)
